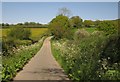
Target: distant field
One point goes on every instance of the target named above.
(36, 32)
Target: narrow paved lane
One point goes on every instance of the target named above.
(42, 66)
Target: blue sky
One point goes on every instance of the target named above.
(44, 12)
(60, 0)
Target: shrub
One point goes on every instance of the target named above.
(23, 42)
(19, 33)
(97, 33)
(111, 75)
(7, 45)
(80, 34)
(16, 36)
(111, 49)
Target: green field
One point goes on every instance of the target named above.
(36, 32)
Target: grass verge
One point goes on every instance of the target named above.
(14, 63)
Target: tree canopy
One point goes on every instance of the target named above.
(60, 26)
(76, 21)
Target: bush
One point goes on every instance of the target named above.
(97, 33)
(7, 45)
(111, 75)
(16, 36)
(80, 34)
(19, 33)
(111, 49)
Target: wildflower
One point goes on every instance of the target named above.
(108, 58)
(99, 75)
(99, 61)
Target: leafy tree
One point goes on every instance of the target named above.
(97, 22)
(76, 21)
(19, 24)
(7, 24)
(88, 23)
(108, 27)
(26, 23)
(60, 27)
(3, 24)
(32, 23)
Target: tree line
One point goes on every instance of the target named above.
(25, 24)
(61, 26)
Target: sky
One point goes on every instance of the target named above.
(60, 0)
(44, 12)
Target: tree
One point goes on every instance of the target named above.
(76, 21)
(64, 11)
(88, 23)
(32, 23)
(26, 23)
(7, 24)
(108, 27)
(97, 22)
(3, 24)
(19, 24)
(60, 27)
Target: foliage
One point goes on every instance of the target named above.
(13, 39)
(88, 23)
(60, 27)
(15, 62)
(76, 21)
(111, 49)
(79, 34)
(109, 27)
(90, 30)
(19, 33)
(25, 24)
(36, 33)
(97, 33)
(89, 58)
(9, 42)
